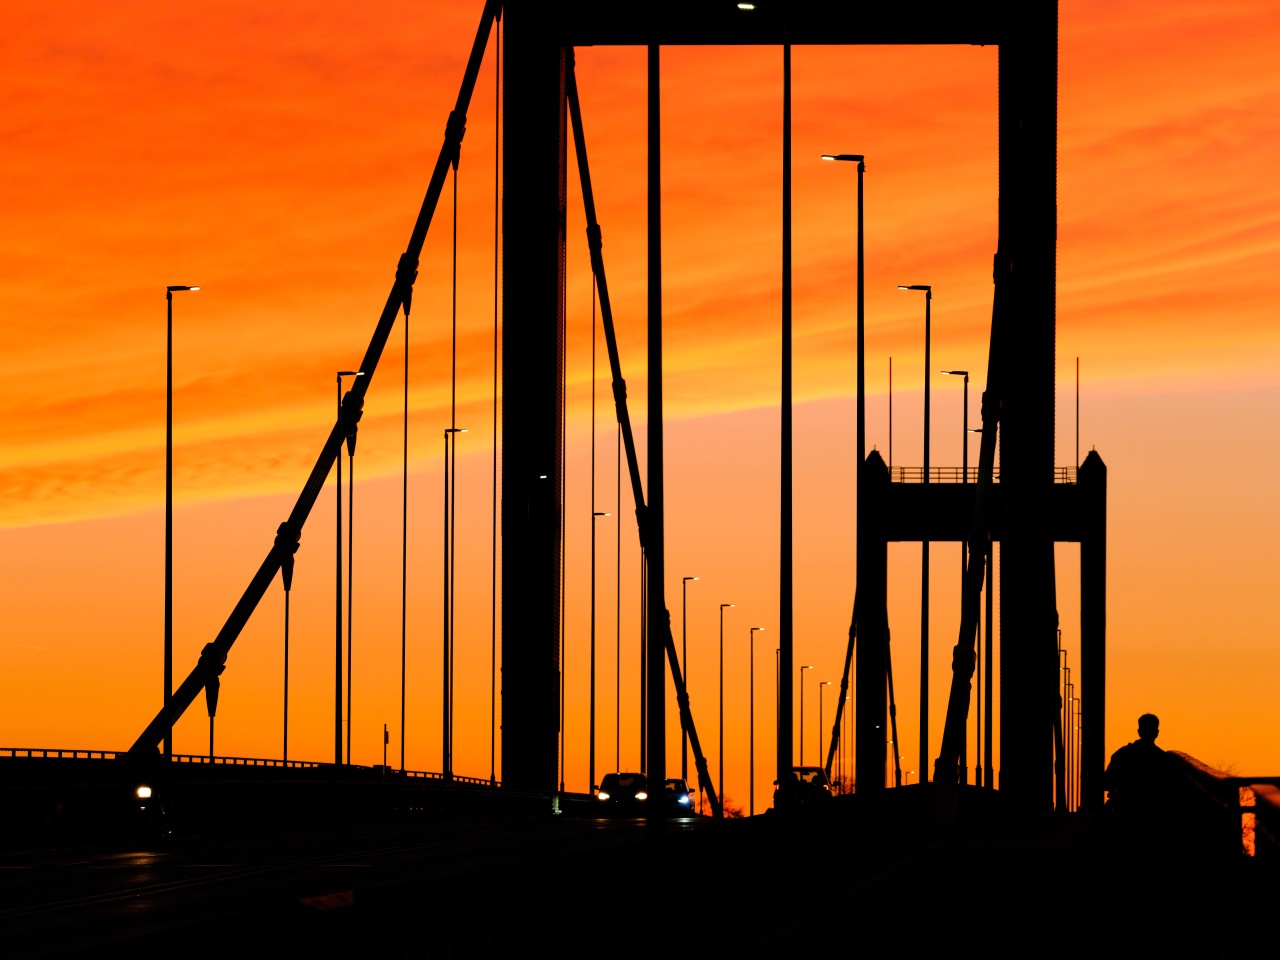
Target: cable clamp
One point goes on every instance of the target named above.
(406, 276)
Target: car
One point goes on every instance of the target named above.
(677, 797)
(621, 793)
(805, 787)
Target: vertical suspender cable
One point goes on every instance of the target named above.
(493, 516)
(453, 458)
(404, 536)
(785, 546)
(564, 310)
(591, 755)
(446, 762)
(563, 637)
(617, 614)
(351, 537)
(337, 593)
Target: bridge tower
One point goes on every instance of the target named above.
(534, 132)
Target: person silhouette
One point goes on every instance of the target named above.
(1133, 777)
(1143, 797)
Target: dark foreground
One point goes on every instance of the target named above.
(845, 879)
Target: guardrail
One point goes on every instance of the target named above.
(475, 781)
(245, 761)
(1254, 803)
(957, 475)
(43, 753)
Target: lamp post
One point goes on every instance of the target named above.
(684, 665)
(337, 589)
(924, 546)
(751, 749)
(964, 556)
(803, 668)
(860, 160)
(723, 607)
(168, 513)
(821, 753)
(591, 764)
(964, 430)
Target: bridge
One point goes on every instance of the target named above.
(1051, 745)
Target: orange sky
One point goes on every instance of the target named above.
(277, 156)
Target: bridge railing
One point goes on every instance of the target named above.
(46, 753)
(244, 761)
(1254, 803)
(57, 754)
(957, 475)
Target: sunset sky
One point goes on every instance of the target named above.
(277, 154)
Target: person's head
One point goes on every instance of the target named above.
(1148, 726)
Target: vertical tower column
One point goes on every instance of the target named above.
(658, 619)
(533, 303)
(1028, 238)
(1093, 630)
(873, 634)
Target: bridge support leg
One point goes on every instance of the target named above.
(533, 285)
(871, 736)
(1028, 238)
(1093, 630)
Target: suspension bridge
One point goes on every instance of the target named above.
(1051, 725)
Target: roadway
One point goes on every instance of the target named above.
(469, 887)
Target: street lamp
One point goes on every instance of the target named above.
(860, 160)
(924, 545)
(964, 556)
(446, 681)
(803, 668)
(684, 665)
(824, 683)
(337, 591)
(751, 788)
(723, 607)
(168, 515)
(964, 434)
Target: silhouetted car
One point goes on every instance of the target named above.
(623, 792)
(677, 798)
(806, 786)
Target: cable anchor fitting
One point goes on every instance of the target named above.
(454, 130)
(406, 276)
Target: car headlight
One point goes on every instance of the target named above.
(685, 800)
(641, 795)
(143, 793)
(602, 795)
